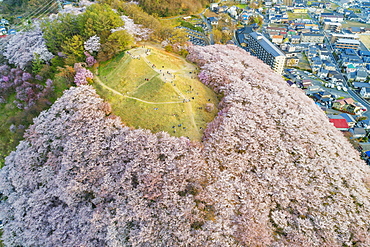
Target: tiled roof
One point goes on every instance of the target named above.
(339, 123)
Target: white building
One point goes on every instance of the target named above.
(261, 47)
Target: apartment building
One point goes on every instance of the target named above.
(312, 38)
(332, 17)
(347, 44)
(335, 36)
(333, 26)
(261, 47)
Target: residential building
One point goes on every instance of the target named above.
(288, 2)
(347, 105)
(364, 124)
(358, 132)
(347, 44)
(364, 53)
(316, 64)
(242, 35)
(335, 36)
(350, 52)
(291, 83)
(295, 39)
(213, 20)
(278, 39)
(329, 66)
(365, 92)
(258, 45)
(314, 90)
(361, 74)
(312, 38)
(332, 17)
(276, 29)
(322, 73)
(350, 68)
(349, 118)
(325, 98)
(333, 26)
(335, 76)
(339, 122)
(312, 51)
(292, 61)
(3, 30)
(222, 9)
(360, 85)
(324, 54)
(355, 60)
(306, 83)
(213, 7)
(355, 30)
(290, 54)
(312, 27)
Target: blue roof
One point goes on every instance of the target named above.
(347, 117)
(356, 29)
(350, 51)
(366, 59)
(4, 21)
(364, 53)
(360, 84)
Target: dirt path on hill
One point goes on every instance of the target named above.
(96, 79)
(166, 77)
(171, 76)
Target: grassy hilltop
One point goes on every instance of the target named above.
(157, 90)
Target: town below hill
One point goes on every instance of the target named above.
(320, 47)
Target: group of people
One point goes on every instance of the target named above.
(132, 56)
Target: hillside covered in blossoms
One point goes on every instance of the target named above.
(270, 171)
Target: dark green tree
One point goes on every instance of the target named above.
(74, 49)
(56, 32)
(98, 19)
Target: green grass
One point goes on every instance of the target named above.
(293, 16)
(241, 6)
(157, 104)
(7, 138)
(333, 6)
(1, 242)
(365, 39)
(276, 25)
(190, 25)
(354, 24)
(304, 64)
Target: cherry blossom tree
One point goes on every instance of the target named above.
(92, 44)
(271, 171)
(21, 47)
(137, 30)
(82, 75)
(90, 60)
